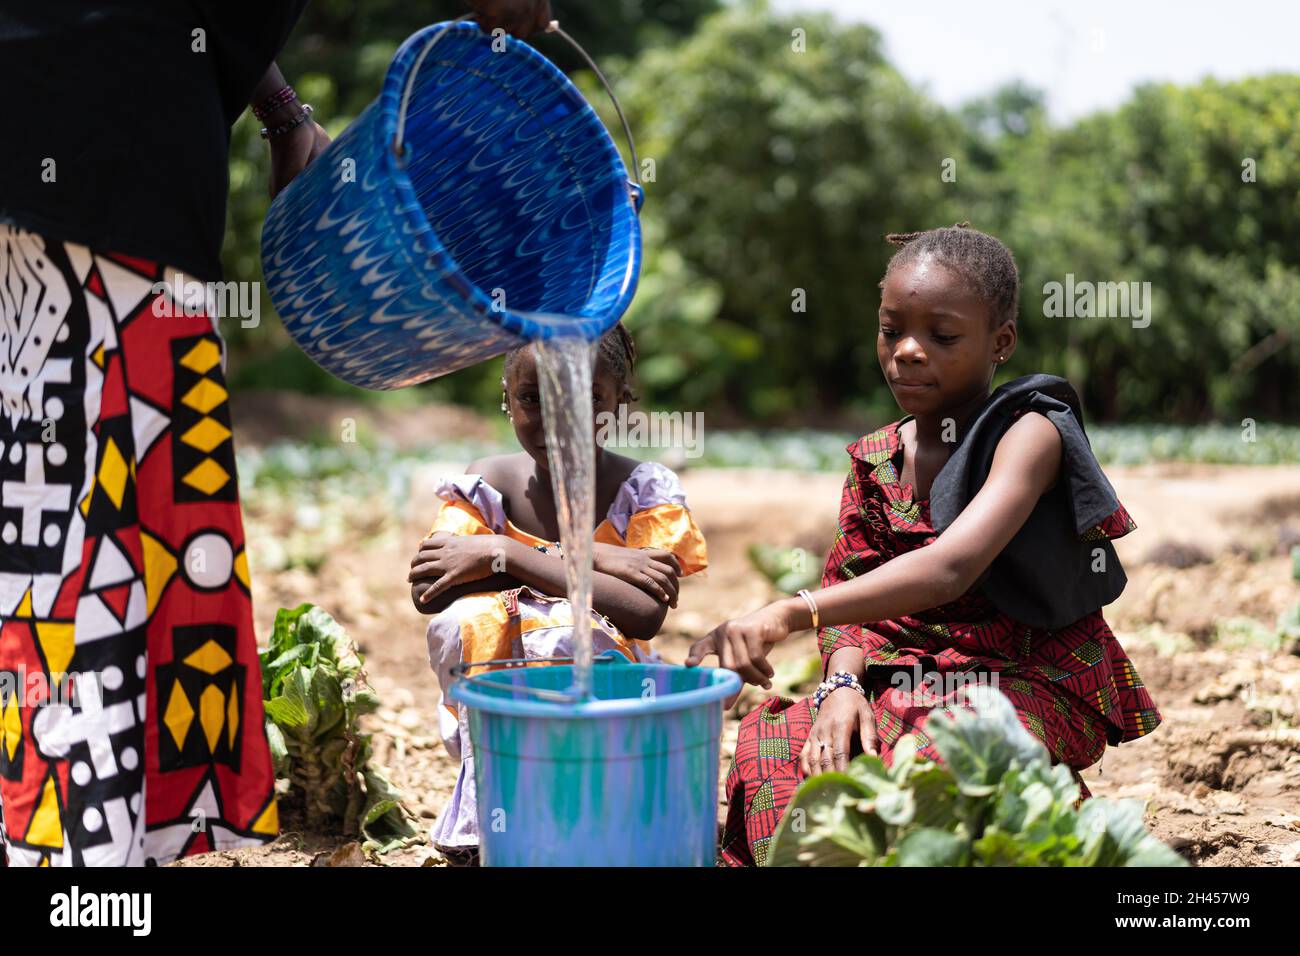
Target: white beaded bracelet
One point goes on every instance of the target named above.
(833, 683)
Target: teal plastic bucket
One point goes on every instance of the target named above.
(629, 778)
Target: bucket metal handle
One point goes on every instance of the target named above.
(634, 182)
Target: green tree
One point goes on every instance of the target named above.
(1159, 191)
(780, 149)
(784, 148)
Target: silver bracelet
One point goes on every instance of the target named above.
(304, 114)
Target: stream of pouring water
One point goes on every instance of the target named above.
(564, 370)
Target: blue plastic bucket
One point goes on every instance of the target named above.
(476, 205)
(629, 778)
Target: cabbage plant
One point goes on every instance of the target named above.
(314, 690)
(995, 800)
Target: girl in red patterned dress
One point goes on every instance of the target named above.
(906, 616)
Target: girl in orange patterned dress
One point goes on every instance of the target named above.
(492, 573)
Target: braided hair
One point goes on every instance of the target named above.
(617, 352)
(983, 262)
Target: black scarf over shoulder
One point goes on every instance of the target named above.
(1054, 571)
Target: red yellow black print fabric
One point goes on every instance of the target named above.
(131, 726)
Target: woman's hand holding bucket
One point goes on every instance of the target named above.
(519, 18)
(291, 152)
(294, 137)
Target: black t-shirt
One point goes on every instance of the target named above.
(115, 130)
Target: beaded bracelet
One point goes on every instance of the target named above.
(302, 117)
(833, 683)
(281, 97)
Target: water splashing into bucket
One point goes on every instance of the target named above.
(564, 365)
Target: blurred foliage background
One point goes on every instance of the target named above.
(777, 171)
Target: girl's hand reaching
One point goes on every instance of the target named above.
(448, 560)
(653, 570)
(742, 645)
(842, 714)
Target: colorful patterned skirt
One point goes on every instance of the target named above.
(765, 772)
(131, 725)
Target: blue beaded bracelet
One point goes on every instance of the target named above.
(833, 683)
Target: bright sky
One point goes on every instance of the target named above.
(1085, 55)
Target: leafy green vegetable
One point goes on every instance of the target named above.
(1288, 623)
(314, 691)
(1241, 633)
(997, 800)
(789, 569)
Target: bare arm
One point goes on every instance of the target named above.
(1025, 464)
(293, 150)
(273, 81)
(435, 584)
(444, 599)
(633, 611)
(850, 659)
